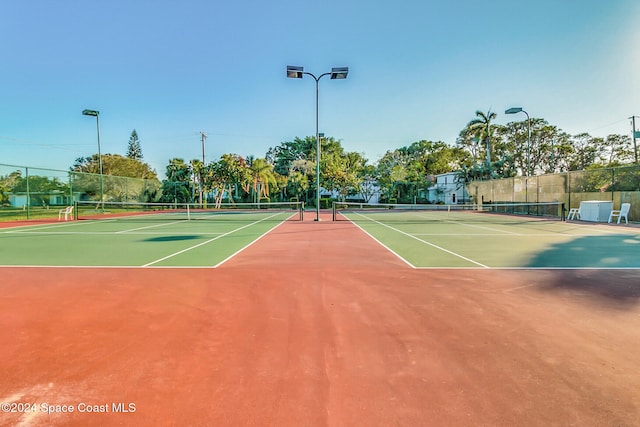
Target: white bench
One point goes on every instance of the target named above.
(67, 212)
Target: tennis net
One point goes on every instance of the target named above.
(495, 212)
(276, 211)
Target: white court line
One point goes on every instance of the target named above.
(605, 229)
(484, 234)
(451, 221)
(246, 246)
(148, 226)
(427, 243)
(111, 233)
(206, 242)
(29, 228)
(383, 245)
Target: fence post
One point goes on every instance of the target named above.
(569, 188)
(70, 189)
(613, 183)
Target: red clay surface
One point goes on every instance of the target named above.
(317, 325)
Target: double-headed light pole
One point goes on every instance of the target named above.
(96, 113)
(337, 73)
(516, 110)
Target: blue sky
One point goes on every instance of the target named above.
(418, 70)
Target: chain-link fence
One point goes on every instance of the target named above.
(619, 185)
(31, 193)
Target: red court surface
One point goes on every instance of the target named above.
(318, 325)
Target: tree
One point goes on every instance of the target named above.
(481, 128)
(115, 171)
(406, 172)
(227, 174)
(367, 186)
(619, 149)
(342, 172)
(177, 187)
(391, 170)
(263, 177)
(116, 165)
(134, 150)
(7, 184)
(198, 170)
(298, 178)
(283, 155)
(288, 153)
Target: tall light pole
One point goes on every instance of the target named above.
(515, 110)
(200, 186)
(96, 113)
(337, 73)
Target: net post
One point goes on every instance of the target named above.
(75, 210)
(333, 210)
(188, 213)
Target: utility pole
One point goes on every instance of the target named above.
(635, 134)
(203, 136)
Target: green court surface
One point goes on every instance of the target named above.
(422, 240)
(134, 242)
(472, 240)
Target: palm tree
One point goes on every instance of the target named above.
(198, 169)
(481, 126)
(262, 177)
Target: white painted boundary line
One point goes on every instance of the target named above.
(383, 245)
(207, 242)
(507, 235)
(148, 226)
(426, 243)
(32, 228)
(450, 221)
(111, 233)
(246, 246)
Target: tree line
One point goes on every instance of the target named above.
(483, 150)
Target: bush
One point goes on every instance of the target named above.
(325, 202)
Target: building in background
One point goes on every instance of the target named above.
(448, 189)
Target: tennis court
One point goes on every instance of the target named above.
(142, 235)
(422, 238)
(268, 318)
(500, 236)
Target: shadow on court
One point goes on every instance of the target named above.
(608, 267)
(618, 287)
(175, 238)
(613, 251)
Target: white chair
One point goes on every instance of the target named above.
(574, 213)
(622, 213)
(67, 212)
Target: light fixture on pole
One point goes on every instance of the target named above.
(516, 110)
(337, 73)
(95, 114)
